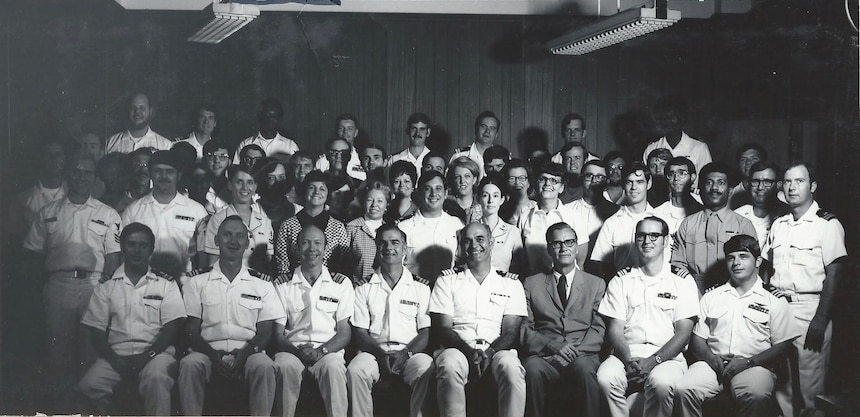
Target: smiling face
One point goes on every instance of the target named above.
(433, 195)
(390, 247)
(476, 244)
(550, 186)
(346, 130)
(418, 133)
(742, 265)
(650, 240)
(747, 159)
(139, 111)
(218, 161)
(301, 167)
(715, 193)
(763, 187)
(402, 185)
(316, 194)
(375, 204)
(205, 122)
(371, 158)
(80, 176)
(518, 180)
(232, 240)
(636, 187)
(242, 188)
(312, 244)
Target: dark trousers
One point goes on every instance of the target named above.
(578, 389)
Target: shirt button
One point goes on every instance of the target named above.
(710, 245)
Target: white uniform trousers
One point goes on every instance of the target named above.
(659, 387)
(752, 390)
(330, 374)
(363, 372)
(452, 373)
(155, 385)
(811, 365)
(70, 352)
(196, 368)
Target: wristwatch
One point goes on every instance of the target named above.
(658, 359)
(255, 349)
(324, 350)
(409, 353)
(151, 353)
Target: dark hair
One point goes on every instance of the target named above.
(133, 228)
(272, 103)
(429, 175)
(552, 168)
(345, 116)
(752, 146)
(142, 151)
(202, 107)
(418, 118)
(232, 170)
(559, 226)
(402, 167)
(634, 167)
(595, 162)
(615, 155)
(571, 117)
(138, 93)
(251, 147)
(434, 154)
(745, 243)
(389, 227)
(664, 226)
(517, 163)
(186, 155)
(496, 152)
(679, 160)
(712, 168)
(374, 146)
(765, 165)
(659, 153)
(497, 181)
(301, 154)
(794, 164)
(213, 145)
(315, 176)
(575, 144)
(485, 114)
(334, 139)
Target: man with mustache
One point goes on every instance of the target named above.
(698, 242)
(140, 184)
(487, 126)
(138, 135)
(418, 129)
(172, 217)
(476, 314)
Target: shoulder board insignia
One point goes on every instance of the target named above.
(712, 288)
(258, 274)
(463, 149)
(623, 271)
(162, 275)
(282, 279)
(453, 271)
(338, 277)
(199, 271)
(507, 274)
(104, 279)
(420, 280)
(826, 215)
(359, 282)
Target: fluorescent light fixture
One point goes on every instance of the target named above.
(229, 17)
(614, 29)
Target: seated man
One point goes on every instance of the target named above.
(134, 318)
(744, 330)
(488, 307)
(318, 306)
(390, 326)
(649, 313)
(563, 332)
(231, 311)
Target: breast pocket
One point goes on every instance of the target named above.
(186, 226)
(715, 321)
(805, 253)
(97, 229)
(667, 304)
(758, 324)
(408, 310)
(326, 306)
(497, 305)
(249, 309)
(152, 311)
(211, 300)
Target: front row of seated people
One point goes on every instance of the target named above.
(538, 341)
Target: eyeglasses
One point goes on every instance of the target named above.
(557, 244)
(767, 183)
(640, 236)
(218, 156)
(140, 164)
(678, 174)
(549, 180)
(594, 177)
(521, 178)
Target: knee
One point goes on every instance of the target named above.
(191, 364)
(452, 365)
(361, 372)
(534, 370)
(288, 365)
(662, 387)
(609, 380)
(154, 376)
(260, 364)
(583, 368)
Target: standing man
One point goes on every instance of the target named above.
(134, 319)
(615, 162)
(418, 129)
(50, 186)
(574, 156)
(806, 249)
(139, 135)
(269, 119)
(140, 184)
(615, 248)
(563, 333)
(390, 327)
(487, 126)
(573, 130)
(681, 174)
(204, 124)
(76, 240)
(670, 115)
(231, 313)
(764, 184)
(476, 314)
(318, 306)
(171, 216)
(743, 332)
(346, 127)
(697, 243)
(432, 233)
(650, 313)
(748, 154)
(590, 211)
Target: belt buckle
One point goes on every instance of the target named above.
(81, 274)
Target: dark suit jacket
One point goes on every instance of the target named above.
(577, 322)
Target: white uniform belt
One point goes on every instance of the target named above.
(76, 274)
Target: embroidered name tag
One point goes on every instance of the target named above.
(409, 303)
(500, 295)
(50, 219)
(251, 297)
(153, 297)
(97, 221)
(190, 219)
(329, 299)
(759, 307)
(667, 295)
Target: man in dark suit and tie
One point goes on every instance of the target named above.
(563, 333)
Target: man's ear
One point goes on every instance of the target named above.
(649, 184)
(813, 186)
(758, 261)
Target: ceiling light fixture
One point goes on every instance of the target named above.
(618, 28)
(229, 17)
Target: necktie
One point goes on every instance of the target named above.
(561, 287)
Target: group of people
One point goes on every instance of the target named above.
(562, 281)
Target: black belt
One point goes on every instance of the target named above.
(77, 274)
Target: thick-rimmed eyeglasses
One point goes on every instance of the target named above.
(640, 236)
(557, 244)
(549, 180)
(766, 183)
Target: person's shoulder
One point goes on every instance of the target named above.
(462, 149)
(508, 275)
(260, 275)
(535, 279)
(341, 278)
(452, 272)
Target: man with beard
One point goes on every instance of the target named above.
(171, 216)
(269, 138)
(134, 318)
(319, 303)
(204, 124)
(670, 115)
(574, 156)
(697, 243)
(138, 135)
(216, 159)
(681, 174)
(487, 126)
(590, 211)
(346, 127)
(418, 127)
(615, 163)
(747, 155)
(75, 239)
(650, 313)
(476, 314)
(140, 184)
(764, 184)
(432, 233)
(232, 311)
